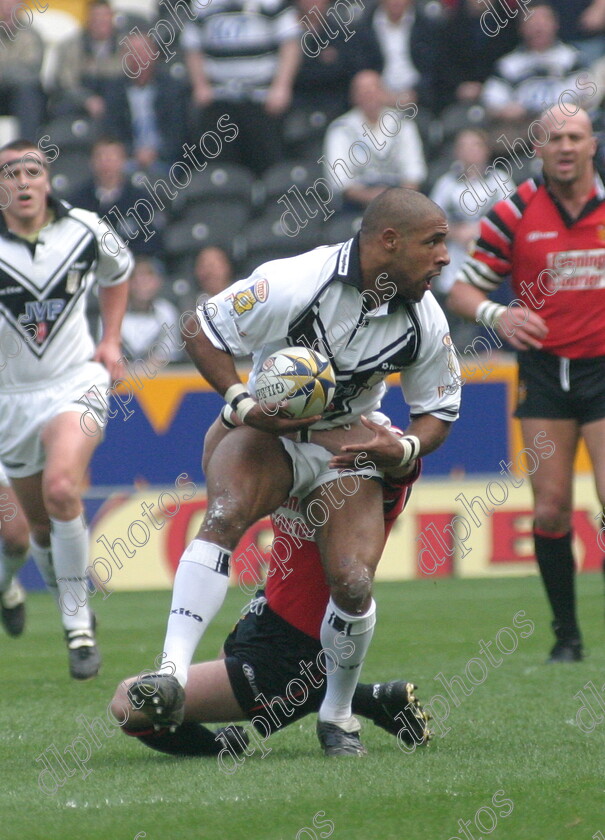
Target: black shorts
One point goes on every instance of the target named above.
(560, 389)
(265, 655)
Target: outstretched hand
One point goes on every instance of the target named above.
(383, 449)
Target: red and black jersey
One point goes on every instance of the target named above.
(297, 590)
(557, 264)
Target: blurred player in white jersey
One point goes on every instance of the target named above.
(50, 257)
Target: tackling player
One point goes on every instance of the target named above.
(274, 670)
(550, 236)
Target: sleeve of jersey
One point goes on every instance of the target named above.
(114, 259)
(431, 385)
(250, 313)
(287, 25)
(489, 260)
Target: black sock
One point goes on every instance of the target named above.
(364, 702)
(188, 739)
(556, 564)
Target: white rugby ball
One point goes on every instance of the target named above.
(300, 381)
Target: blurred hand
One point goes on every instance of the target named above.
(529, 331)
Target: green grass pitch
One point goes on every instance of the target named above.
(512, 742)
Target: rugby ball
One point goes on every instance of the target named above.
(297, 380)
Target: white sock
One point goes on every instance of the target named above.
(44, 561)
(69, 547)
(200, 586)
(345, 639)
(10, 563)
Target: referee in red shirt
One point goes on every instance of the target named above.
(549, 236)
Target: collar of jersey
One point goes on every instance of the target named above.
(60, 209)
(348, 271)
(591, 204)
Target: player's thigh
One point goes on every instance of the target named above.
(67, 447)
(214, 436)
(351, 538)
(209, 696)
(594, 436)
(249, 475)
(552, 479)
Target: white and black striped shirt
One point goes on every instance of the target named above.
(44, 331)
(240, 41)
(315, 300)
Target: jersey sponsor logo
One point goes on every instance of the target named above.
(576, 270)
(542, 234)
(343, 259)
(43, 310)
(11, 290)
(245, 300)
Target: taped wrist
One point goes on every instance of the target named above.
(238, 398)
(411, 449)
(489, 312)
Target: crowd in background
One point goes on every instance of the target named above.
(126, 90)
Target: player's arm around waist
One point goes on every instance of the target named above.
(388, 451)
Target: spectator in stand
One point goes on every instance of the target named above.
(110, 188)
(21, 54)
(462, 195)
(583, 22)
(148, 113)
(149, 315)
(406, 37)
(212, 272)
(395, 159)
(89, 65)
(324, 76)
(532, 77)
(242, 59)
(467, 54)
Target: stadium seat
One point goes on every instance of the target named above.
(188, 237)
(341, 227)
(460, 115)
(265, 239)
(278, 179)
(232, 212)
(72, 133)
(228, 181)
(304, 131)
(69, 172)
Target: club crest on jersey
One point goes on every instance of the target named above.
(244, 301)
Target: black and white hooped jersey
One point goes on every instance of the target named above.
(316, 300)
(43, 289)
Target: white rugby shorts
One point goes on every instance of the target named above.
(24, 414)
(310, 463)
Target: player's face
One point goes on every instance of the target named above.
(567, 157)
(419, 257)
(24, 179)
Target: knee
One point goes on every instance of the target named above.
(61, 496)
(351, 588)
(227, 518)
(552, 515)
